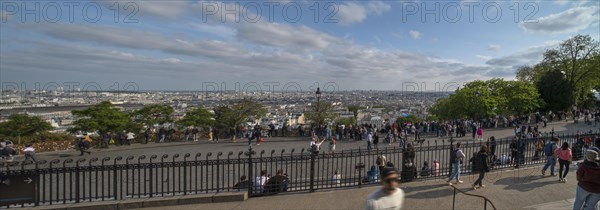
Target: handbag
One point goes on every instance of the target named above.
(112, 141)
(261, 140)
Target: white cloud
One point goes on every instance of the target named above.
(350, 12)
(529, 56)
(123, 54)
(561, 2)
(568, 21)
(484, 57)
(137, 39)
(172, 60)
(415, 34)
(219, 30)
(378, 7)
(285, 36)
(494, 47)
(161, 9)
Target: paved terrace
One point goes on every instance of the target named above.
(278, 143)
(523, 188)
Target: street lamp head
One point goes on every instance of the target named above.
(318, 91)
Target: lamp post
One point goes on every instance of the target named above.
(313, 154)
(318, 94)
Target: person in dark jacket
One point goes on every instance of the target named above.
(243, 184)
(278, 183)
(588, 186)
(482, 166)
(409, 153)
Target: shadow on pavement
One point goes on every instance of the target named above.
(440, 191)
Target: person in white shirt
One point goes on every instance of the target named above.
(315, 144)
(337, 177)
(130, 137)
(260, 181)
(369, 140)
(29, 153)
(389, 196)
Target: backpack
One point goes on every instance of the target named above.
(314, 148)
(548, 151)
(453, 155)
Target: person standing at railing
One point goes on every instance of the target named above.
(481, 160)
(435, 168)
(588, 186)
(389, 196)
(458, 159)
(539, 146)
(369, 140)
(565, 156)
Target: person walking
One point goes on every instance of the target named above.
(389, 196)
(481, 160)
(369, 141)
(332, 144)
(588, 186)
(549, 149)
(458, 159)
(106, 140)
(162, 134)
(147, 134)
(130, 137)
(195, 132)
(565, 156)
(215, 135)
(84, 144)
(186, 134)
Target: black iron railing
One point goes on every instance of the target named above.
(88, 180)
(485, 199)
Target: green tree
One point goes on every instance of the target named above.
(479, 99)
(198, 117)
(578, 58)
(321, 113)
(102, 117)
(555, 91)
(19, 125)
(346, 121)
(518, 97)
(230, 116)
(354, 109)
(410, 118)
(531, 74)
(151, 115)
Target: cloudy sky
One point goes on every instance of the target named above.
(189, 45)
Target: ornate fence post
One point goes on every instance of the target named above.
(115, 177)
(185, 164)
(77, 180)
(451, 162)
(312, 170)
(250, 175)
